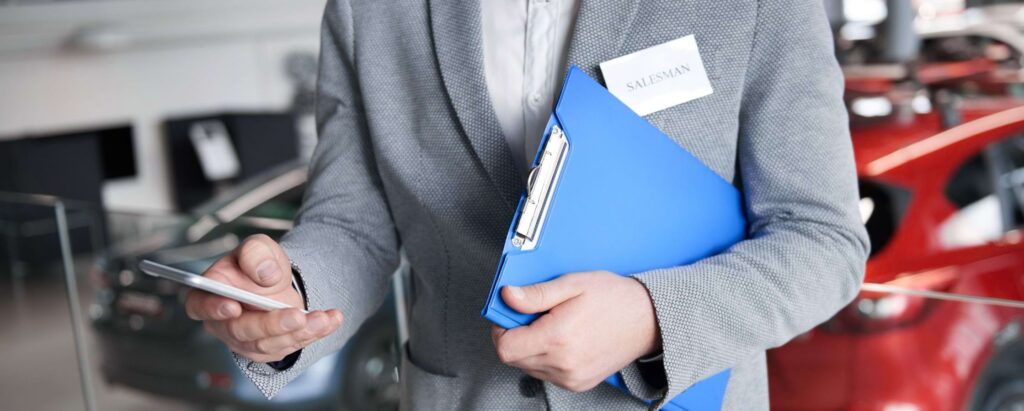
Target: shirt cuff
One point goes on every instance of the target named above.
(288, 361)
(298, 285)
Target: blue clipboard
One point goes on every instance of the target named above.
(609, 191)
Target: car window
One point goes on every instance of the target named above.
(970, 47)
(882, 207)
(985, 205)
(1011, 177)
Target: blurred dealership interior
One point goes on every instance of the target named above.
(172, 129)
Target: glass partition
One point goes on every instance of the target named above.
(87, 330)
(43, 342)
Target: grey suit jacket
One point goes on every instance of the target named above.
(411, 155)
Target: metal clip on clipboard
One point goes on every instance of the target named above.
(540, 189)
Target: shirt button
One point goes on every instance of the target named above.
(529, 386)
(535, 98)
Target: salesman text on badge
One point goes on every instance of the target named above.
(658, 77)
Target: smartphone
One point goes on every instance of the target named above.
(215, 287)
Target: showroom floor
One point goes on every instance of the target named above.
(40, 370)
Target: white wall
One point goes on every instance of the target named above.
(70, 66)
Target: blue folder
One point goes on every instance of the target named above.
(609, 191)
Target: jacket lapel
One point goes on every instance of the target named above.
(457, 40)
(599, 35)
(600, 32)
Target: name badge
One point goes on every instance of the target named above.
(658, 77)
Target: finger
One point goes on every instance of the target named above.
(535, 364)
(203, 306)
(519, 343)
(257, 325)
(219, 329)
(522, 361)
(540, 374)
(559, 378)
(541, 297)
(262, 260)
(246, 349)
(318, 325)
(496, 333)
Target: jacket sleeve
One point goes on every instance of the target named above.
(806, 247)
(344, 244)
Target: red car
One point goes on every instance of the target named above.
(942, 202)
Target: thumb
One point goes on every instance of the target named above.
(262, 260)
(541, 297)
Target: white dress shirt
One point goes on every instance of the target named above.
(526, 44)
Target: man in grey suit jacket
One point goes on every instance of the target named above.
(411, 154)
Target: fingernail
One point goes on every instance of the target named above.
(267, 271)
(517, 292)
(290, 323)
(316, 324)
(224, 310)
